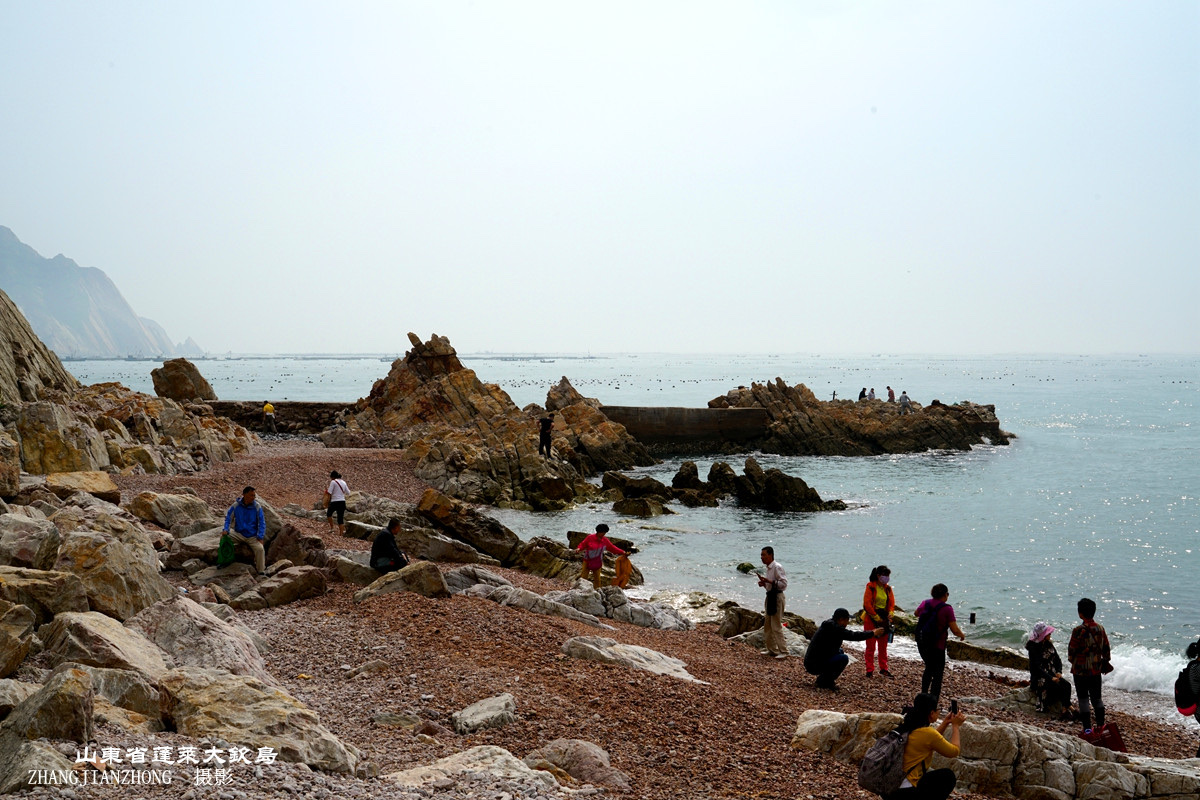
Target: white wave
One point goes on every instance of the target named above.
(1144, 669)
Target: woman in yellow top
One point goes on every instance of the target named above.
(920, 782)
(878, 605)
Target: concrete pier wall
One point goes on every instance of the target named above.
(290, 417)
(689, 428)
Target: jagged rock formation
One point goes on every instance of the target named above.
(800, 424)
(179, 379)
(54, 425)
(469, 440)
(770, 489)
(77, 311)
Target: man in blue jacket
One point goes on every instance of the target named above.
(244, 522)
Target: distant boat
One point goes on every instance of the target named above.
(547, 361)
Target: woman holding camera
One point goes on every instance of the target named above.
(920, 782)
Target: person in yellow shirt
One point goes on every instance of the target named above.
(269, 417)
(920, 782)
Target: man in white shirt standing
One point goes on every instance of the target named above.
(774, 580)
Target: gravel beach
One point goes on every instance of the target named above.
(726, 738)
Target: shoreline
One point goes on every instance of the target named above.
(675, 740)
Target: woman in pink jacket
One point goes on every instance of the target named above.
(593, 547)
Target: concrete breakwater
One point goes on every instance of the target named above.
(290, 417)
(674, 430)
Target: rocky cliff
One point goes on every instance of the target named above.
(470, 440)
(76, 311)
(52, 424)
(800, 424)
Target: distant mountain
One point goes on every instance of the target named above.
(77, 311)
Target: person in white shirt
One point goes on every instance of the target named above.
(337, 493)
(774, 580)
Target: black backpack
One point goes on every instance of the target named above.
(882, 768)
(1185, 700)
(927, 625)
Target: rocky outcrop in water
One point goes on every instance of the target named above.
(470, 441)
(179, 379)
(800, 424)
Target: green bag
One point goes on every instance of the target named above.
(225, 552)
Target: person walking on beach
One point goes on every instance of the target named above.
(244, 522)
(935, 620)
(1051, 691)
(920, 782)
(891, 394)
(1193, 674)
(545, 426)
(1090, 658)
(878, 604)
(269, 417)
(905, 404)
(825, 657)
(335, 495)
(593, 547)
(386, 556)
(774, 580)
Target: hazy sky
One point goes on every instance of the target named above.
(793, 177)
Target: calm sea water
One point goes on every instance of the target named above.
(1097, 497)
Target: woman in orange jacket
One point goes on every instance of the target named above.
(878, 605)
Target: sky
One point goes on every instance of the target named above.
(816, 177)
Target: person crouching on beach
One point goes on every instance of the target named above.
(1090, 656)
(245, 523)
(1051, 691)
(878, 604)
(774, 580)
(825, 657)
(920, 782)
(386, 556)
(593, 547)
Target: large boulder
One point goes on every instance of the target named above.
(421, 577)
(463, 578)
(122, 687)
(21, 759)
(46, 593)
(61, 709)
(168, 510)
(16, 635)
(10, 465)
(28, 368)
(26, 542)
(491, 712)
(179, 379)
(98, 640)
(292, 584)
(531, 601)
(243, 710)
(462, 522)
(610, 651)
(12, 692)
(96, 483)
(233, 579)
(796, 644)
(582, 760)
(1014, 760)
(54, 439)
(487, 759)
(120, 579)
(194, 637)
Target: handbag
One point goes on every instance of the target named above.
(326, 499)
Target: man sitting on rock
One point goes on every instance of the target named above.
(245, 523)
(825, 657)
(385, 554)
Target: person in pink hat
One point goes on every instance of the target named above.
(1051, 691)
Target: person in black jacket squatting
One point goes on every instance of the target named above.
(825, 657)
(385, 555)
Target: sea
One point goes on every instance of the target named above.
(1097, 496)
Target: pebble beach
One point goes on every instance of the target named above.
(727, 737)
